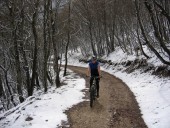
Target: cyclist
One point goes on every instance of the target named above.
(94, 70)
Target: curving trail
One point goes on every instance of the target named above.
(116, 107)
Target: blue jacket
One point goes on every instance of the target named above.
(94, 68)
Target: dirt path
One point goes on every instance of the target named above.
(116, 107)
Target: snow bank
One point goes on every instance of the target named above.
(46, 110)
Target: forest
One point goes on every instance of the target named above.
(36, 34)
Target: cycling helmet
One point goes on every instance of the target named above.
(94, 57)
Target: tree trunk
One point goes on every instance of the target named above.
(34, 69)
(91, 38)
(140, 44)
(37, 81)
(68, 36)
(8, 87)
(55, 48)
(105, 31)
(46, 7)
(15, 42)
(1, 87)
(26, 66)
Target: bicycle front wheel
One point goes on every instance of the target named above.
(91, 97)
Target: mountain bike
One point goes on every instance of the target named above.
(93, 90)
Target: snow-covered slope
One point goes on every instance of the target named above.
(46, 110)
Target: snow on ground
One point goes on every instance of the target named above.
(46, 110)
(152, 93)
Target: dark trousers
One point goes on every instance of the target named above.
(97, 83)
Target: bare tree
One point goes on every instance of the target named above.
(145, 36)
(34, 69)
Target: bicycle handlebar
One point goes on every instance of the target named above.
(96, 77)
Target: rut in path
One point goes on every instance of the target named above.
(116, 107)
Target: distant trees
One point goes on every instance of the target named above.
(104, 24)
(107, 24)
